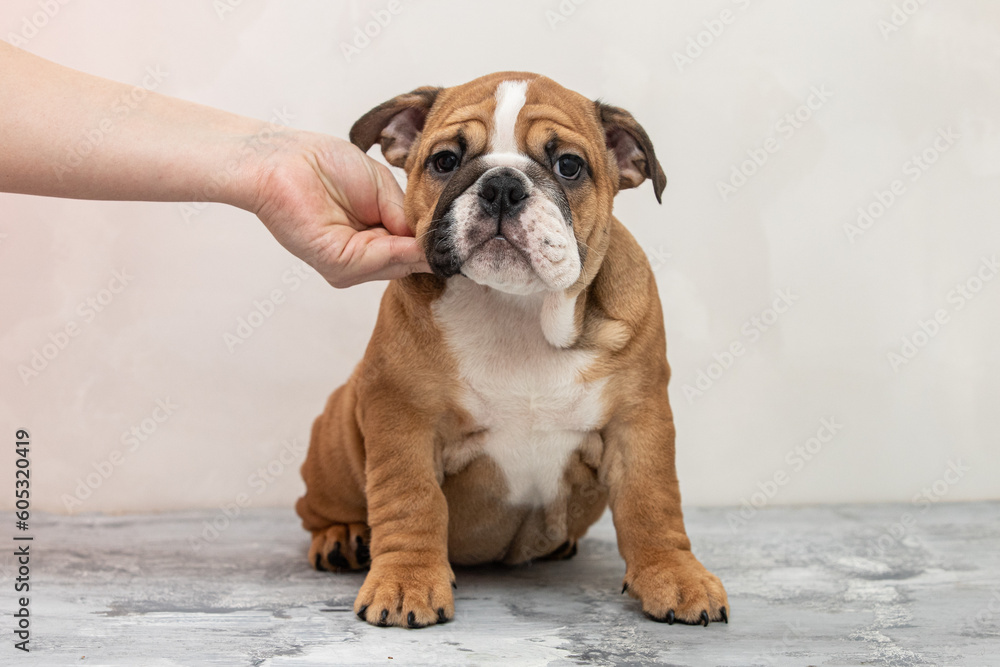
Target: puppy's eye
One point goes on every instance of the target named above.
(569, 167)
(444, 162)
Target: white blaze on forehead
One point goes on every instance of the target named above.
(510, 99)
(548, 257)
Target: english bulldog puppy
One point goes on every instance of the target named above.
(506, 399)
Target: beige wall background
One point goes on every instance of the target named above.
(804, 112)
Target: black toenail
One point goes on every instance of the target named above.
(725, 616)
(336, 559)
(454, 585)
(361, 551)
(624, 588)
(384, 618)
(704, 618)
(318, 564)
(441, 617)
(670, 617)
(361, 613)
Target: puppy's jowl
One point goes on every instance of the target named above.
(505, 400)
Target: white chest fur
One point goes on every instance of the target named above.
(526, 393)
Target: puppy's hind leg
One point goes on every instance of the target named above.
(334, 508)
(341, 547)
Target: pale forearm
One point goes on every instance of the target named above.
(68, 134)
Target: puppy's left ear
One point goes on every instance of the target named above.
(395, 124)
(632, 149)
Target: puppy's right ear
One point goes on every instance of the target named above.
(395, 124)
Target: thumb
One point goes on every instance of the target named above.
(407, 251)
(389, 257)
(390, 202)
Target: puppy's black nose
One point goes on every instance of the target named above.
(502, 195)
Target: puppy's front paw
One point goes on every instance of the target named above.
(406, 590)
(675, 588)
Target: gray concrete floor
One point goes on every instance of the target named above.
(808, 586)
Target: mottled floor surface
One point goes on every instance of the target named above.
(836, 585)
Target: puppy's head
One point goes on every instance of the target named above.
(511, 177)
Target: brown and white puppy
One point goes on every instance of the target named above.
(504, 401)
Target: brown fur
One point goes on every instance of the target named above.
(395, 451)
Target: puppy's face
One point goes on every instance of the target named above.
(511, 177)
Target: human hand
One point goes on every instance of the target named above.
(336, 208)
(321, 197)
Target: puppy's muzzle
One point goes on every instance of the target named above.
(501, 195)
